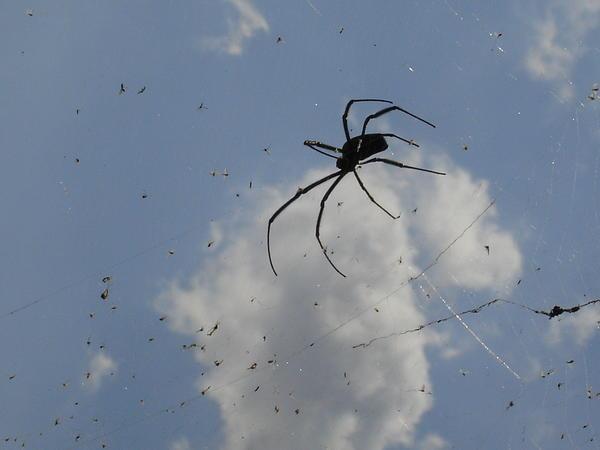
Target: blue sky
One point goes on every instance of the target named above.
(100, 184)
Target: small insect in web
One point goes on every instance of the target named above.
(352, 155)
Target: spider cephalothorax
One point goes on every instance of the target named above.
(353, 153)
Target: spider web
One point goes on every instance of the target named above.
(473, 315)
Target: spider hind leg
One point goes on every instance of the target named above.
(362, 186)
(317, 230)
(297, 195)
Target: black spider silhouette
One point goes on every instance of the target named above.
(353, 154)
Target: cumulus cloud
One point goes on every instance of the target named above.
(249, 21)
(558, 40)
(101, 366)
(433, 442)
(276, 390)
(578, 327)
(180, 444)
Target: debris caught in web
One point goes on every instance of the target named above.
(554, 312)
(213, 329)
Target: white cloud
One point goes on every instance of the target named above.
(180, 444)
(432, 442)
(101, 366)
(249, 22)
(558, 41)
(346, 398)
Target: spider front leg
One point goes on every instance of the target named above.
(299, 192)
(362, 186)
(314, 144)
(347, 110)
(390, 109)
(317, 231)
(409, 142)
(401, 165)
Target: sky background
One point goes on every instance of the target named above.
(196, 343)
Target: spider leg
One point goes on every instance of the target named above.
(314, 144)
(390, 109)
(317, 232)
(401, 165)
(323, 146)
(410, 142)
(347, 110)
(299, 192)
(371, 197)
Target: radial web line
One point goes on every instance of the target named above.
(314, 8)
(464, 324)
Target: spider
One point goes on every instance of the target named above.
(353, 153)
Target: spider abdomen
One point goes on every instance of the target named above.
(365, 146)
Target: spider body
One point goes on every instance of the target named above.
(353, 153)
(360, 148)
